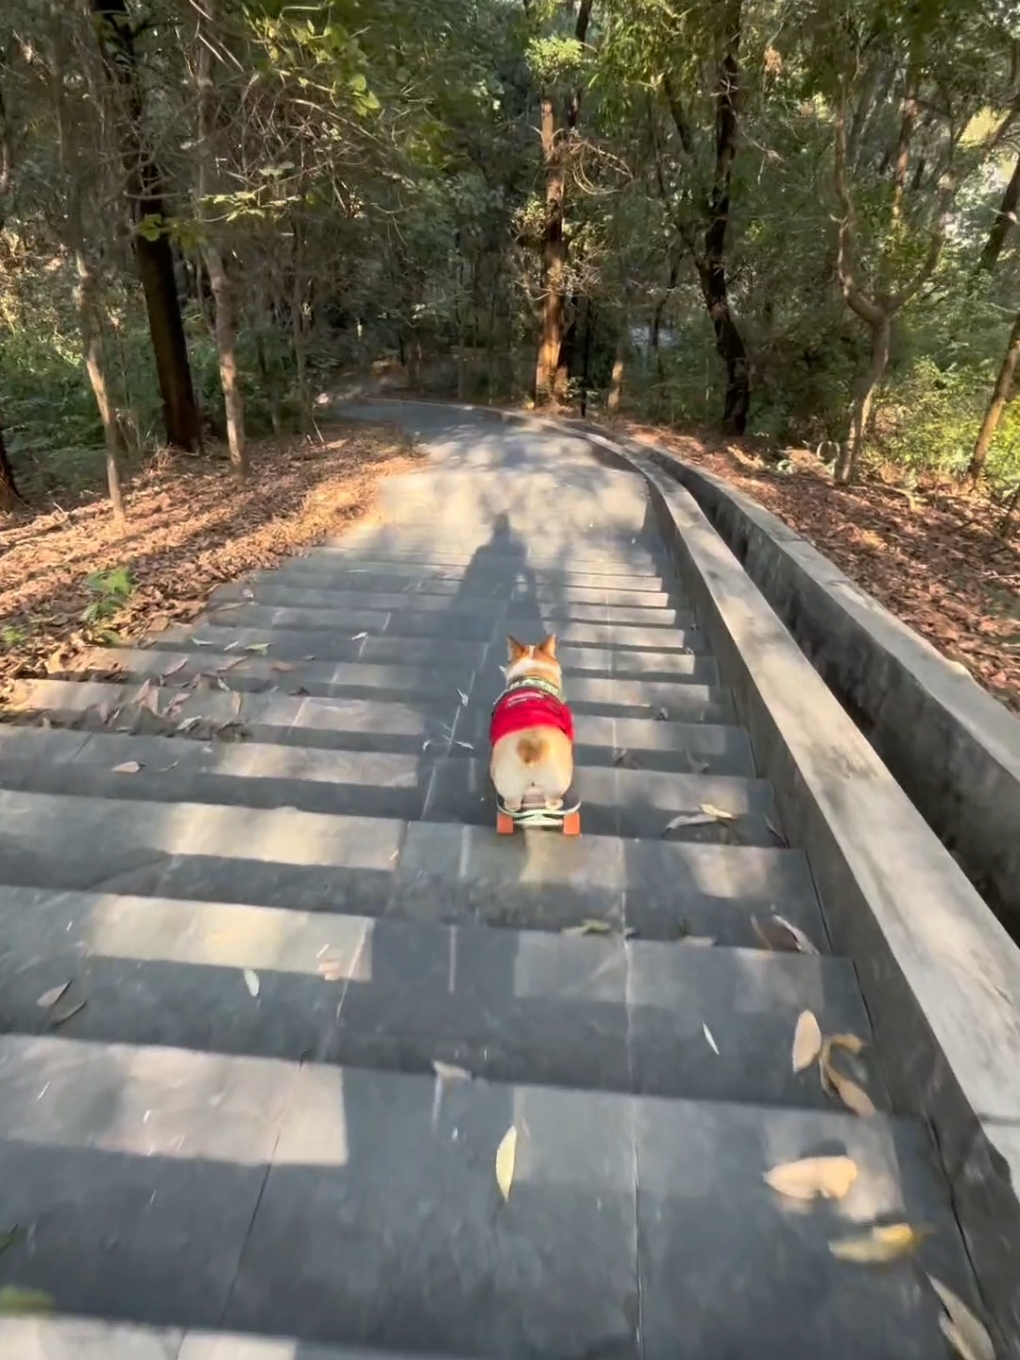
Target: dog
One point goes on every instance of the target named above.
(531, 732)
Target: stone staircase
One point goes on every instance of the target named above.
(260, 851)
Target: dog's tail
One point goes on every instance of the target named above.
(530, 749)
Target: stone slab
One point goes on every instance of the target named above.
(590, 1012)
(425, 871)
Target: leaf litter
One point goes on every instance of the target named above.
(50, 998)
(128, 767)
(961, 1327)
(506, 1159)
(711, 1040)
(450, 1072)
(883, 1242)
(251, 981)
(813, 1177)
(807, 1041)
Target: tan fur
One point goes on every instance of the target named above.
(535, 766)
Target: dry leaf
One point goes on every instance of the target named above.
(188, 724)
(885, 1242)
(230, 665)
(251, 981)
(588, 927)
(811, 1177)
(450, 1072)
(625, 760)
(848, 1041)
(103, 713)
(960, 1327)
(58, 1018)
(358, 637)
(140, 695)
(463, 698)
(853, 1096)
(177, 666)
(801, 943)
(282, 666)
(807, 1041)
(257, 647)
(506, 1156)
(129, 767)
(333, 970)
(51, 997)
(718, 814)
(466, 745)
(15, 1300)
(711, 1041)
(776, 832)
(688, 819)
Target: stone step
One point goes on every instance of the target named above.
(616, 801)
(484, 556)
(300, 574)
(324, 644)
(576, 623)
(255, 671)
(356, 1207)
(361, 724)
(481, 575)
(372, 866)
(598, 1012)
(78, 1338)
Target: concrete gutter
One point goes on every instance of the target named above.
(940, 975)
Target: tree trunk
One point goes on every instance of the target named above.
(224, 326)
(848, 459)
(554, 258)
(10, 496)
(143, 186)
(1005, 217)
(1000, 395)
(616, 379)
(729, 342)
(92, 337)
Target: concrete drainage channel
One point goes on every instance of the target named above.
(310, 993)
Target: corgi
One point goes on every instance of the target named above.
(532, 730)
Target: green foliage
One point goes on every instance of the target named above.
(110, 590)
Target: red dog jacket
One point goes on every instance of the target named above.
(529, 703)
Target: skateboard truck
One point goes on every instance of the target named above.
(536, 817)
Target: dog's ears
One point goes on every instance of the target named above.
(514, 649)
(549, 646)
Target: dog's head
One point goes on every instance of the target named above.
(537, 659)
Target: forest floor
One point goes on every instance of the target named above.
(931, 556)
(69, 576)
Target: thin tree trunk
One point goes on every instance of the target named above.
(616, 379)
(116, 32)
(1005, 217)
(1007, 519)
(1000, 395)
(553, 259)
(10, 496)
(848, 459)
(224, 325)
(95, 361)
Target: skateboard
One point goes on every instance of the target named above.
(566, 819)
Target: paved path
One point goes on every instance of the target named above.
(310, 804)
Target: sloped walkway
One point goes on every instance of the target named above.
(261, 851)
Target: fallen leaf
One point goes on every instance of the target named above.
(697, 766)
(625, 760)
(463, 698)
(51, 997)
(128, 767)
(961, 1327)
(358, 637)
(188, 724)
(251, 981)
(230, 665)
(688, 819)
(811, 1177)
(588, 927)
(103, 713)
(776, 832)
(177, 666)
(853, 1096)
(506, 1156)
(257, 647)
(711, 1041)
(848, 1041)
(801, 943)
(58, 1018)
(142, 694)
(807, 1041)
(662, 714)
(719, 814)
(282, 666)
(884, 1242)
(466, 745)
(333, 970)
(450, 1072)
(14, 1300)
